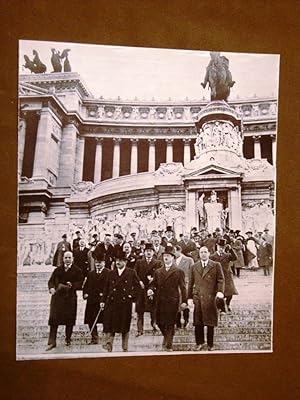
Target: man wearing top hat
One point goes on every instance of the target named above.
(61, 248)
(145, 269)
(107, 249)
(62, 285)
(169, 238)
(206, 286)
(120, 292)
(225, 256)
(168, 288)
(93, 292)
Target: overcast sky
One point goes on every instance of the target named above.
(146, 73)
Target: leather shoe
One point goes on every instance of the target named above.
(138, 334)
(155, 327)
(210, 348)
(68, 343)
(199, 347)
(50, 347)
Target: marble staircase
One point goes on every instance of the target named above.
(246, 328)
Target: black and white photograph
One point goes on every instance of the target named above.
(146, 201)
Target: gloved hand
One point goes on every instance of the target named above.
(190, 303)
(220, 295)
(52, 291)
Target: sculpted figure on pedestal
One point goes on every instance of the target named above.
(213, 211)
(218, 77)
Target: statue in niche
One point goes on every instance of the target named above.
(135, 113)
(213, 211)
(218, 77)
(170, 113)
(201, 211)
(152, 113)
(118, 113)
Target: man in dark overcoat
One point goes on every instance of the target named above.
(225, 255)
(187, 245)
(93, 292)
(107, 249)
(206, 284)
(185, 264)
(169, 238)
(265, 256)
(61, 248)
(63, 283)
(145, 269)
(119, 294)
(168, 286)
(81, 257)
(130, 256)
(75, 244)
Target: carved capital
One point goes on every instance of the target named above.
(134, 140)
(169, 141)
(151, 142)
(186, 141)
(256, 138)
(99, 141)
(117, 140)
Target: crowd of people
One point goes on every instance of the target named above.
(165, 276)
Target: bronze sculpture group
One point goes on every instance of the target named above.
(218, 77)
(37, 67)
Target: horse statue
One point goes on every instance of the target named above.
(218, 77)
(55, 61)
(36, 66)
(41, 68)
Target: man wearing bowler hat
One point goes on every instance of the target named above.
(120, 292)
(145, 269)
(206, 285)
(167, 288)
(93, 292)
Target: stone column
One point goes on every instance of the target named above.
(151, 159)
(67, 162)
(98, 161)
(42, 146)
(274, 149)
(21, 144)
(116, 158)
(257, 148)
(191, 210)
(134, 156)
(79, 159)
(235, 207)
(186, 152)
(169, 155)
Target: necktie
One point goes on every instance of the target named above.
(203, 265)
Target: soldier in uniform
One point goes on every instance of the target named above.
(93, 292)
(119, 294)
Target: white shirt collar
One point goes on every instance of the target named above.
(120, 271)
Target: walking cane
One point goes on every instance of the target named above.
(95, 322)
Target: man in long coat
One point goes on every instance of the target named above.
(168, 286)
(107, 249)
(225, 258)
(63, 283)
(93, 292)
(120, 292)
(265, 255)
(61, 248)
(145, 269)
(206, 284)
(81, 257)
(185, 264)
(187, 245)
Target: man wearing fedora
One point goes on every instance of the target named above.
(93, 292)
(120, 292)
(145, 269)
(168, 288)
(225, 256)
(61, 248)
(206, 286)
